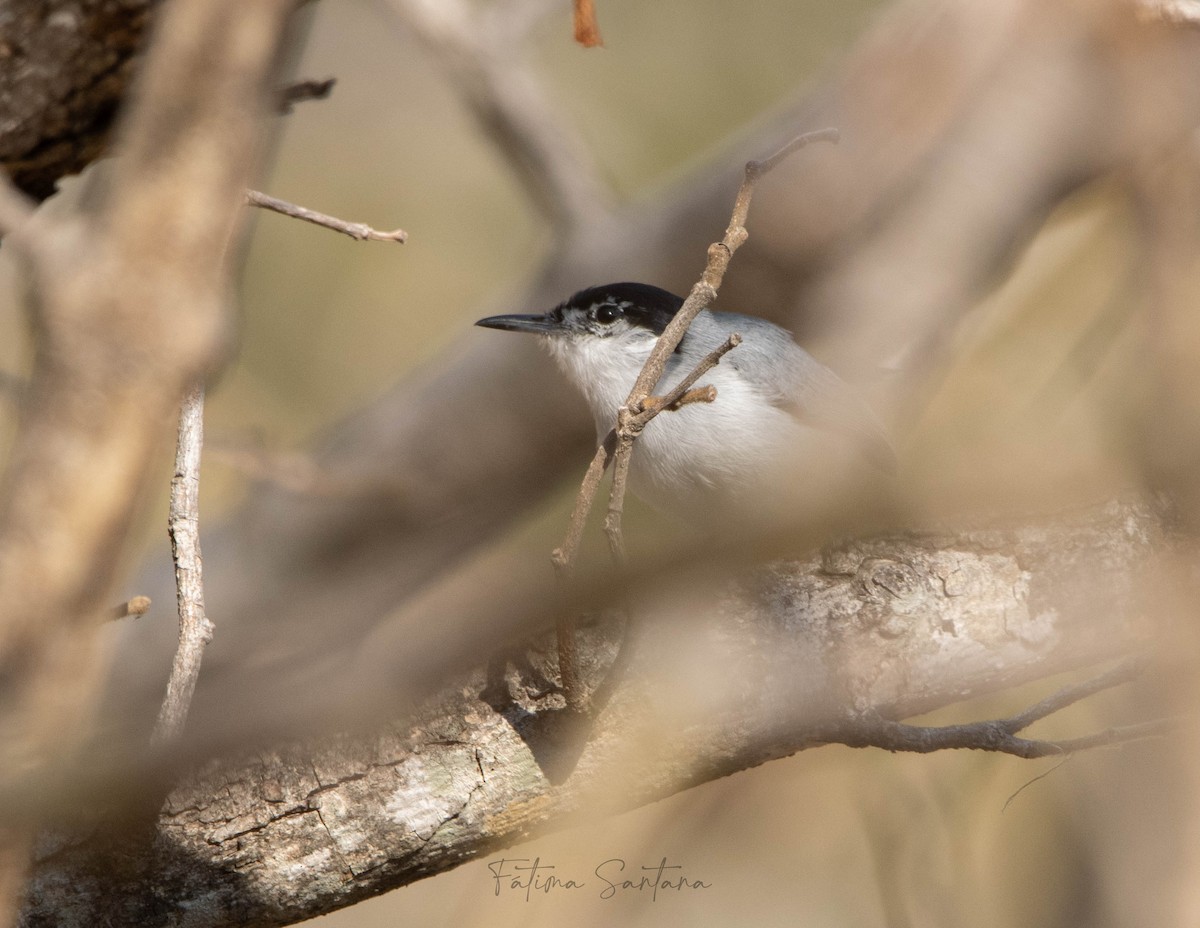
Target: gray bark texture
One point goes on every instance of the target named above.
(784, 660)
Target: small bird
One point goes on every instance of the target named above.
(774, 400)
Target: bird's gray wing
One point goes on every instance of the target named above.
(792, 379)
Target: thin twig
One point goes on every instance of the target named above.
(1000, 735)
(678, 396)
(302, 91)
(359, 231)
(991, 735)
(706, 394)
(629, 427)
(719, 256)
(195, 629)
(697, 300)
(1122, 673)
(637, 412)
(563, 559)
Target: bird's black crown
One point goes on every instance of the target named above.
(643, 305)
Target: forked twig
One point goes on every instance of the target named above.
(639, 410)
(1002, 735)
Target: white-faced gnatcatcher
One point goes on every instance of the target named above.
(773, 399)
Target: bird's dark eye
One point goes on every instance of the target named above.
(607, 312)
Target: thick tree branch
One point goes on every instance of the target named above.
(874, 630)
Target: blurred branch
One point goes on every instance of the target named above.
(128, 307)
(587, 30)
(183, 520)
(894, 220)
(936, 619)
(554, 167)
(510, 22)
(138, 605)
(297, 472)
(303, 91)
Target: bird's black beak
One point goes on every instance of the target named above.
(542, 324)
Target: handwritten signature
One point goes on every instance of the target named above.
(609, 878)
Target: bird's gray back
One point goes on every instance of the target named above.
(788, 377)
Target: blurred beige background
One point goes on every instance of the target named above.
(832, 837)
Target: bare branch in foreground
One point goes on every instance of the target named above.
(783, 669)
(129, 308)
(359, 231)
(195, 629)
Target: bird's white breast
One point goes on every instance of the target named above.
(702, 458)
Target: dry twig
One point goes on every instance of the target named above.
(1001, 735)
(359, 231)
(636, 414)
(195, 629)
